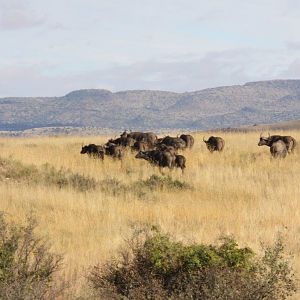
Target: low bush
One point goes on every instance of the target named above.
(63, 178)
(141, 188)
(162, 182)
(11, 169)
(14, 170)
(155, 267)
(27, 267)
(113, 186)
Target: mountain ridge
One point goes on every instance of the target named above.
(221, 107)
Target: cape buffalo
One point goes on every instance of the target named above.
(175, 142)
(214, 143)
(278, 149)
(289, 141)
(161, 158)
(149, 137)
(116, 141)
(189, 140)
(180, 162)
(128, 142)
(122, 141)
(163, 147)
(142, 146)
(93, 150)
(115, 151)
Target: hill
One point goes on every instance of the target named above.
(230, 106)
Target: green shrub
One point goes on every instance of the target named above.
(156, 267)
(27, 267)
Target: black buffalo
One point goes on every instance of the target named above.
(214, 143)
(175, 142)
(279, 149)
(122, 141)
(163, 147)
(189, 140)
(180, 161)
(289, 141)
(115, 151)
(163, 159)
(142, 146)
(93, 150)
(148, 137)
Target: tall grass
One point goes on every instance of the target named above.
(241, 191)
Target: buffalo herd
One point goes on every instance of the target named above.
(164, 152)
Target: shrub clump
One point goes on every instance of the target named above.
(160, 182)
(11, 169)
(113, 186)
(27, 267)
(47, 174)
(63, 178)
(142, 187)
(156, 267)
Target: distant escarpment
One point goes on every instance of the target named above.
(221, 107)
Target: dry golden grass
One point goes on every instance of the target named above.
(240, 191)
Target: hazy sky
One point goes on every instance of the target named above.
(52, 47)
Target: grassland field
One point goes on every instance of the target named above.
(87, 207)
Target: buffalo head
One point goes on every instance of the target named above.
(124, 134)
(84, 149)
(264, 141)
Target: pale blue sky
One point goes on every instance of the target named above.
(52, 47)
